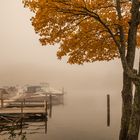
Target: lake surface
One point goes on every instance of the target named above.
(82, 117)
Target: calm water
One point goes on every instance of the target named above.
(82, 117)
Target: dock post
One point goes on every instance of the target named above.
(108, 110)
(50, 100)
(50, 107)
(46, 108)
(46, 113)
(46, 128)
(2, 101)
(21, 109)
(21, 122)
(24, 101)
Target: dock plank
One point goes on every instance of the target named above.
(25, 110)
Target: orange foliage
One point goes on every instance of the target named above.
(81, 27)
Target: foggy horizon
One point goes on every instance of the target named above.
(25, 61)
(82, 115)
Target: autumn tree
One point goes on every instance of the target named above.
(96, 30)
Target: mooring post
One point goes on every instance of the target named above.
(46, 108)
(50, 99)
(21, 125)
(2, 101)
(46, 128)
(21, 109)
(21, 122)
(24, 101)
(108, 110)
(50, 107)
(46, 113)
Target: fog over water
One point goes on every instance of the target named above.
(24, 61)
(82, 118)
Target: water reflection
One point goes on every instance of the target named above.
(83, 117)
(15, 125)
(22, 126)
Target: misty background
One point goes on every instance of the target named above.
(24, 61)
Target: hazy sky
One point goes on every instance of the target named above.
(23, 60)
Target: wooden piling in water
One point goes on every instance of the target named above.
(2, 103)
(46, 108)
(2, 100)
(46, 128)
(108, 110)
(22, 109)
(50, 107)
(22, 115)
(24, 101)
(50, 100)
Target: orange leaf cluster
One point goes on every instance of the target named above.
(81, 27)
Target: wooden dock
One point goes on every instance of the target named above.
(31, 108)
(14, 115)
(30, 100)
(17, 113)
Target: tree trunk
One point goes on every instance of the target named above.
(135, 117)
(126, 106)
